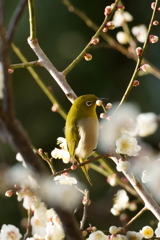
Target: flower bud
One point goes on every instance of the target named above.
(136, 83)
(40, 151)
(103, 115)
(73, 167)
(107, 10)
(10, 70)
(99, 102)
(110, 25)
(88, 57)
(109, 106)
(84, 233)
(138, 51)
(158, 9)
(145, 68)
(94, 229)
(153, 39)
(153, 4)
(105, 29)
(94, 41)
(155, 23)
(122, 37)
(9, 193)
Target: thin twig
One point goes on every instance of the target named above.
(136, 216)
(15, 20)
(82, 164)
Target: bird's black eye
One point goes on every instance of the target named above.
(89, 103)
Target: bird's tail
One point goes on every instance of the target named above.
(85, 170)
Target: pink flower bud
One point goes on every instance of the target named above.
(153, 4)
(88, 57)
(145, 68)
(138, 51)
(136, 83)
(110, 25)
(103, 115)
(73, 167)
(94, 41)
(40, 151)
(107, 10)
(10, 70)
(9, 193)
(153, 39)
(158, 9)
(155, 23)
(109, 106)
(105, 29)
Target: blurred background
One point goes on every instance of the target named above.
(62, 35)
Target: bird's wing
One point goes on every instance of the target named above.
(72, 138)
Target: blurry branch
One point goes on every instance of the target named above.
(136, 216)
(69, 223)
(39, 81)
(4, 54)
(111, 41)
(10, 128)
(139, 61)
(15, 19)
(43, 59)
(149, 202)
(89, 45)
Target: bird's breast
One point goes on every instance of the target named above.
(88, 129)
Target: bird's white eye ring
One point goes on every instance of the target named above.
(89, 103)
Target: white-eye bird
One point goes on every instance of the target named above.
(82, 130)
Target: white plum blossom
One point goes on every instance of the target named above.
(127, 144)
(114, 229)
(121, 17)
(61, 153)
(54, 232)
(10, 232)
(140, 32)
(21, 159)
(63, 179)
(132, 235)
(157, 230)
(97, 235)
(39, 219)
(122, 37)
(124, 121)
(28, 192)
(118, 237)
(120, 202)
(123, 165)
(147, 232)
(147, 124)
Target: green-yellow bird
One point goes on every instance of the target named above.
(82, 130)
